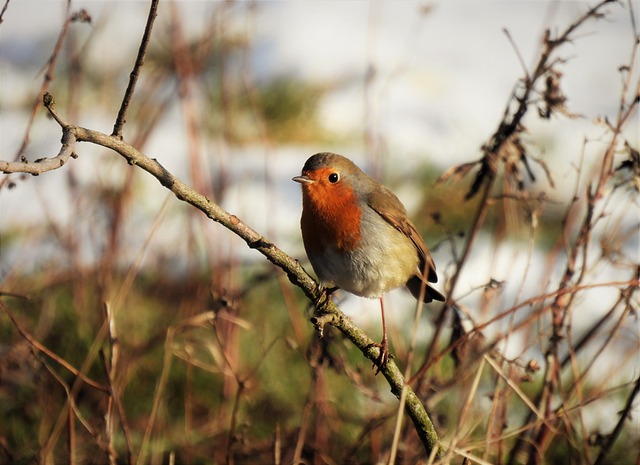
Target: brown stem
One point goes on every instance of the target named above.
(133, 77)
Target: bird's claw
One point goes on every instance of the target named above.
(384, 356)
(325, 297)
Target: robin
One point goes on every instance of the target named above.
(358, 236)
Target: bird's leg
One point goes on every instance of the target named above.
(383, 358)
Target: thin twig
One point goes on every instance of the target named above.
(518, 54)
(4, 9)
(133, 77)
(624, 416)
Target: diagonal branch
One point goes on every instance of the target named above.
(326, 311)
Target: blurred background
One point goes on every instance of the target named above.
(207, 348)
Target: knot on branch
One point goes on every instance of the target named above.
(165, 177)
(320, 320)
(260, 243)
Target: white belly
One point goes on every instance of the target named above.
(382, 262)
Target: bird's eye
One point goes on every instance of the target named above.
(334, 178)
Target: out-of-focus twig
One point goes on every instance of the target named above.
(41, 348)
(624, 416)
(4, 9)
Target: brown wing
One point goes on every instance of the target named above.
(385, 203)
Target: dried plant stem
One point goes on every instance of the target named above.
(4, 9)
(160, 387)
(115, 404)
(188, 101)
(478, 221)
(407, 372)
(41, 348)
(624, 416)
(473, 390)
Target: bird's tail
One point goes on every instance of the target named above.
(415, 285)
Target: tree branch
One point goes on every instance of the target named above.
(42, 165)
(133, 77)
(326, 311)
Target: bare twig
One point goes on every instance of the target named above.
(501, 147)
(133, 77)
(42, 165)
(518, 54)
(4, 9)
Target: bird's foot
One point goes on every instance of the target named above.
(384, 356)
(325, 297)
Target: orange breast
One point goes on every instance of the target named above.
(330, 218)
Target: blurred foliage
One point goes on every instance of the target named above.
(289, 107)
(242, 370)
(280, 109)
(246, 355)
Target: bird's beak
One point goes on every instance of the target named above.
(303, 180)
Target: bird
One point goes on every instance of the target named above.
(359, 238)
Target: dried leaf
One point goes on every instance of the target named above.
(456, 172)
(479, 179)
